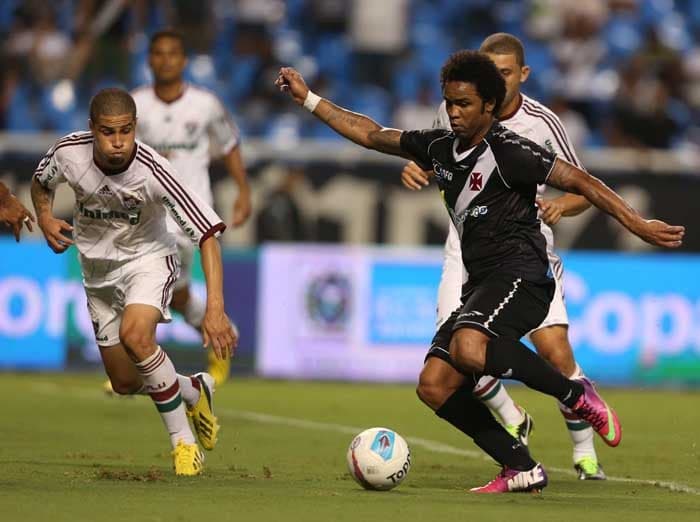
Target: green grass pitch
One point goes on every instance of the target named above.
(68, 453)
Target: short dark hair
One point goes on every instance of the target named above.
(111, 102)
(166, 33)
(478, 69)
(504, 43)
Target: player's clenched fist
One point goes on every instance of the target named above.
(291, 81)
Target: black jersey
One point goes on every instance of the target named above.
(489, 191)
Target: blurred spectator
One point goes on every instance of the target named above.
(419, 113)
(623, 65)
(573, 122)
(280, 217)
(639, 112)
(378, 32)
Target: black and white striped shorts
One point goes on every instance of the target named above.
(501, 305)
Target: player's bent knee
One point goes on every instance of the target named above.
(432, 394)
(468, 349)
(138, 341)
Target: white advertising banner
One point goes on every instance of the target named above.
(343, 312)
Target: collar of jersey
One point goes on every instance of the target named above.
(517, 109)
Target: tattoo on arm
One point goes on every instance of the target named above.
(42, 198)
(359, 128)
(569, 178)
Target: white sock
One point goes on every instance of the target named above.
(194, 310)
(581, 433)
(161, 382)
(491, 392)
(189, 389)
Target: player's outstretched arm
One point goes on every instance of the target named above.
(569, 178)
(12, 212)
(51, 227)
(216, 326)
(353, 126)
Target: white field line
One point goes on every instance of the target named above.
(430, 445)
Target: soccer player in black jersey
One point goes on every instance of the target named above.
(488, 178)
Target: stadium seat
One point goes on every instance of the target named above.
(20, 117)
(58, 107)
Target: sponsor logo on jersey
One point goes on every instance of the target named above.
(165, 148)
(441, 173)
(105, 191)
(181, 221)
(471, 212)
(132, 218)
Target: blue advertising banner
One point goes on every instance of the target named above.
(44, 322)
(33, 293)
(635, 318)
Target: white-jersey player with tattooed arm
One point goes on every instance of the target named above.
(124, 191)
(182, 121)
(530, 119)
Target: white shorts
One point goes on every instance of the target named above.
(148, 282)
(185, 251)
(557, 309)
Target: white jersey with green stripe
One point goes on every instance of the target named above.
(120, 217)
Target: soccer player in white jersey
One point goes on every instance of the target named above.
(530, 119)
(180, 120)
(124, 191)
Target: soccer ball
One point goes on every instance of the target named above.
(378, 458)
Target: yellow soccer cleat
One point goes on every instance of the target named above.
(107, 388)
(205, 423)
(218, 368)
(187, 459)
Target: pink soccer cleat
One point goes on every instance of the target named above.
(514, 481)
(593, 409)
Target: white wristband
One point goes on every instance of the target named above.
(311, 101)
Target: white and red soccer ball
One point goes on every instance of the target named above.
(379, 458)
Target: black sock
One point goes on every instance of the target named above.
(471, 417)
(511, 359)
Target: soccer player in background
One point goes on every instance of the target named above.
(12, 212)
(124, 191)
(531, 119)
(503, 248)
(180, 120)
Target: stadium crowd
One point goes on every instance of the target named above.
(618, 72)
